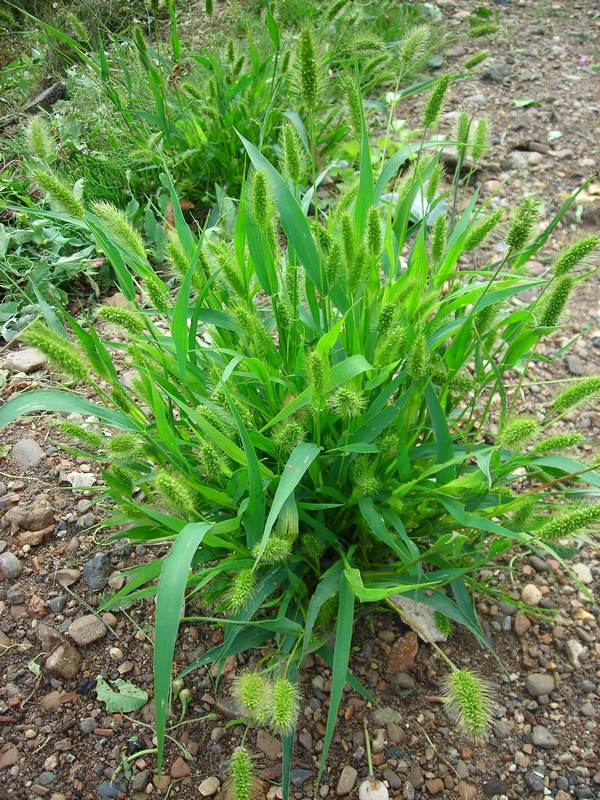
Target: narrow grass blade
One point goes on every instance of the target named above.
(63, 402)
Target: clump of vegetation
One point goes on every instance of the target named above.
(309, 426)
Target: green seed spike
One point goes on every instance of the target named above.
(485, 29)
(124, 447)
(417, 359)
(438, 240)
(518, 433)
(348, 237)
(158, 293)
(260, 198)
(585, 390)
(468, 702)
(562, 527)
(60, 195)
(347, 402)
(285, 707)
(209, 7)
(242, 590)
(83, 435)
(479, 144)
(308, 73)
(293, 153)
(476, 59)
(39, 140)
(288, 435)
(463, 127)
(316, 371)
(276, 551)
(335, 9)
(478, 235)
(433, 184)
(556, 302)
(561, 441)
(433, 109)
(176, 492)
(251, 690)
(355, 106)
(522, 223)
(374, 239)
(242, 784)
(130, 321)
(334, 262)
(225, 259)
(413, 45)
(117, 225)
(60, 352)
(575, 254)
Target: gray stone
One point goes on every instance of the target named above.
(574, 650)
(541, 737)
(64, 662)
(381, 716)
(539, 684)
(111, 790)
(27, 453)
(299, 776)
(88, 725)
(87, 629)
(57, 604)
(494, 786)
(27, 360)
(15, 596)
(403, 680)
(140, 780)
(46, 778)
(10, 566)
(534, 780)
(67, 577)
(495, 72)
(96, 572)
(346, 781)
(575, 365)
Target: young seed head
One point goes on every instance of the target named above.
(518, 433)
(243, 783)
(413, 46)
(157, 292)
(242, 590)
(39, 140)
(276, 550)
(478, 234)
(476, 59)
(355, 107)
(81, 434)
(433, 109)
(417, 359)
(285, 706)
(468, 700)
(316, 372)
(124, 447)
(117, 226)
(60, 352)
(124, 318)
(562, 527)
(463, 127)
(483, 29)
(583, 391)
(575, 254)
(433, 184)
(308, 71)
(288, 435)
(226, 264)
(60, 195)
(260, 198)
(348, 237)
(374, 239)
(293, 153)
(251, 690)
(561, 441)
(358, 268)
(522, 223)
(334, 262)
(386, 318)
(479, 145)
(438, 240)
(556, 302)
(176, 492)
(346, 402)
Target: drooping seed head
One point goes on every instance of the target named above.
(479, 145)
(124, 318)
(576, 254)
(438, 240)
(468, 702)
(354, 105)
(251, 690)
(483, 29)
(476, 59)
(124, 447)
(81, 434)
(118, 226)
(60, 352)
(553, 444)
(157, 292)
(276, 551)
(583, 391)
(60, 195)
(176, 492)
(565, 526)
(478, 234)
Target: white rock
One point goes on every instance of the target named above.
(531, 595)
(209, 786)
(27, 453)
(423, 617)
(27, 360)
(584, 573)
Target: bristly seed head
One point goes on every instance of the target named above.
(242, 590)
(260, 198)
(519, 432)
(308, 71)
(346, 402)
(561, 441)
(433, 109)
(251, 690)
(563, 527)
(39, 140)
(584, 390)
(522, 223)
(276, 550)
(575, 254)
(60, 352)
(476, 59)
(118, 226)
(469, 704)
(478, 234)
(243, 783)
(124, 318)
(374, 239)
(61, 196)
(285, 706)
(556, 302)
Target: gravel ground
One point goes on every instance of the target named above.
(56, 739)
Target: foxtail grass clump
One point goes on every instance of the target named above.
(310, 429)
(39, 140)
(61, 196)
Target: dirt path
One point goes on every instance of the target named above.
(57, 741)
